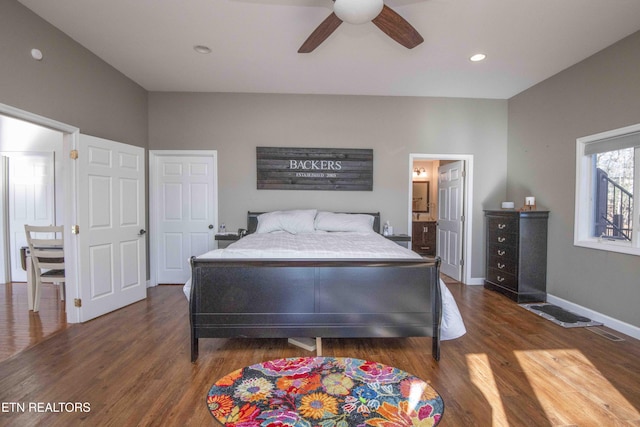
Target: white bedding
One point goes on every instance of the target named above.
(313, 245)
(333, 245)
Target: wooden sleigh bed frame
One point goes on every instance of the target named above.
(329, 298)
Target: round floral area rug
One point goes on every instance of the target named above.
(324, 392)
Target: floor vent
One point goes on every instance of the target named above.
(607, 335)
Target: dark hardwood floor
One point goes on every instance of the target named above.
(132, 367)
(23, 328)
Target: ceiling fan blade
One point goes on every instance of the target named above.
(396, 27)
(321, 33)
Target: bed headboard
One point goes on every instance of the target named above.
(252, 220)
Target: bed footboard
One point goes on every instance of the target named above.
(275, 298)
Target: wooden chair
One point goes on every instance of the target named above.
(46, 245)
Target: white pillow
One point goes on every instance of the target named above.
(293, 221)
(358, 223)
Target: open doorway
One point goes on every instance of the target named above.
(31, 192)
(30, 186)
(65, 190)
(439, 195)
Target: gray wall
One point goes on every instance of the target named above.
(70, 84)
(234, 124)
(596, 95)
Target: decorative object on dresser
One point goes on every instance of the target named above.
(508, 205)
(529, 203)
(516, 254)
(423, 235)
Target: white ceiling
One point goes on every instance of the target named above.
(254, 44)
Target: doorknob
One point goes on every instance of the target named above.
(142, 232)
(210, 226)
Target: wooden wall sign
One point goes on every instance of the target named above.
(286, 168)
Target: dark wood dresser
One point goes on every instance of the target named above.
(516, 251)
(423, 237)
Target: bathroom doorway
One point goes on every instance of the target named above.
(439, 194)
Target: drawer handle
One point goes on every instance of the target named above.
(501, 253)
(501, 239)
(500, 266)
(502, 226)
(500, 279)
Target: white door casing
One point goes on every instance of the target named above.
(111, 219)
(184, 204)
(67, 200)
(450, 217)
(5, 256)
(31, 200)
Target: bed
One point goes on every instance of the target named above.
(306, 273)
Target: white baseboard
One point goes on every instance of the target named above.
(475, 281)
(610, 322)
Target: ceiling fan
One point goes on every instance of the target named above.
(359, 12)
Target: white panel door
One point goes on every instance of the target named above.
(31, 200)
(450, 214)
(184, 200)
(111, 216)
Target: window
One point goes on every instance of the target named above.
(607, 184)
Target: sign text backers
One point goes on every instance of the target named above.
(286, 168)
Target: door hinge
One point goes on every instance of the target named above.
(75, 229)
(77, 302)
(462, 262)
(74, 154)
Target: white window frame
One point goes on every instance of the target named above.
(584, 206)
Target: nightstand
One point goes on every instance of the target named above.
(401, 239)
(225, 240)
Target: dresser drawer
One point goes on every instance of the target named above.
(502, 225)
(502, 278)
(503, 238)
(503, 251)
(502, 264)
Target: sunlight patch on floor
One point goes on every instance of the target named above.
(566, 384)
(482, 377)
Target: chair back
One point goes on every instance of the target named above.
(46, 244)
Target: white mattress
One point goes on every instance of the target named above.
(334, 245)
(313, 245)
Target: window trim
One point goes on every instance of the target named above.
(584, 197)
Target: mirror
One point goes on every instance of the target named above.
(420, 196)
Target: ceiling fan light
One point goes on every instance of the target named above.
(357, 11)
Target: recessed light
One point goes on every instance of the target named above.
(202, 49)
(36, 54)
(478, 57)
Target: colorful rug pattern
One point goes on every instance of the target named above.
(324, 392)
